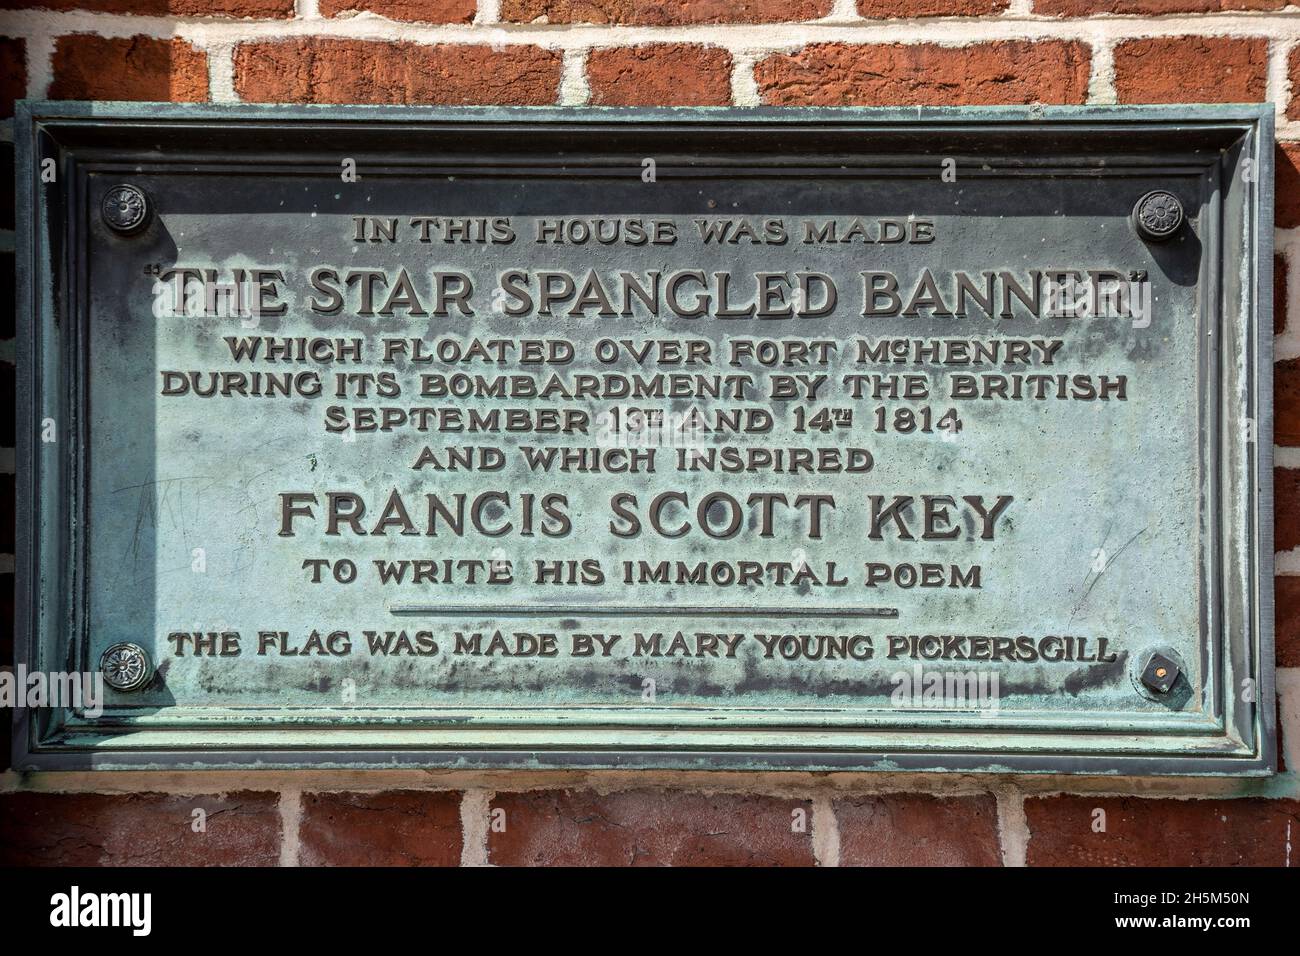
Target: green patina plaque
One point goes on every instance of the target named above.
(878, 439)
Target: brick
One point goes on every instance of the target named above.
(1279, 294)
(259, 9)
(7, 197)
(7, 490)
(660, 74)
(918, 829)
(1281, 735)
(7, 305)
(394, 828)
(7, 614)
(90, 67)
(1286, 508)
(6, 639)
(1293, 72)
(901, 9)
(649, 828)
(314, 70)
(13, 73)
(1159, 832)
(1191, 70)
(1011, 71)
(663, 12)
(8, 389)
(1286, 620)
(1083, 8)
(1286, 403)
(421, 11)
(138, 829)
(1286, 185)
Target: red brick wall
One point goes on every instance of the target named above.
(640, 52)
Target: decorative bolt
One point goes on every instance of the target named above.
(125, 209)
(126, 666)
(1160, 673)
(1158, 215)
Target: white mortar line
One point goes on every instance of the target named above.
(475, 815)
(1019, 8)
(307, 9)
(825, 832)
(1013, 826)
(842, 11)
(1101, 75)
(574, 88)
(1288, 695)
(1286, 563)
(290, 821)
(1286, 457)
(1277, 88)
(221, 72)
(744, 86)
(489, 11)
(40, 64)
(1286, 243)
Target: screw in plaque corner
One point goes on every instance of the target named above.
(126, 666)
(1159, 674)
(1158, 215)
(125, 209)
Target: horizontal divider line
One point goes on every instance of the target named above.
(657, 610)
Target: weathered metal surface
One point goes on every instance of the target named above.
(1071, 512)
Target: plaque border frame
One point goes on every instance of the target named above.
(48, 573)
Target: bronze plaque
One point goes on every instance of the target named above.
(929, 439)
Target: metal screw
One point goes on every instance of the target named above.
(1160, 674)
(125, 208)
(1158, 215)
(126, 666)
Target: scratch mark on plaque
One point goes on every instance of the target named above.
(1101, 546)
(157, 481)
(1106, 567)
(156, 496)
